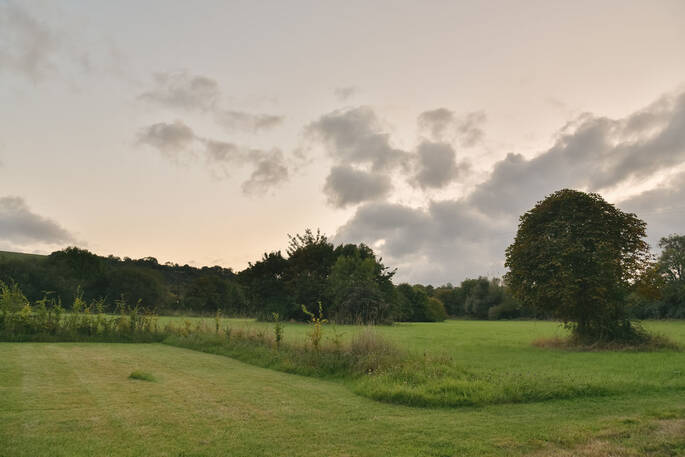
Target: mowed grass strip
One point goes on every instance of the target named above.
(74, 399)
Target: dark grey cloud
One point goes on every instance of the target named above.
(365, 159)
(179, 143)
(345, 93)
(222, 151)
(356, 137)
(436, 165)
(270, 170)
(27, 45)
(452, 239)
(185, 91)
(592, 153)
(444, 125)
(446, 241)
(171, 139)
(348, 186)
(182, 90)
(663, 208)
(239, 120)
(436, 122)
(20, 226)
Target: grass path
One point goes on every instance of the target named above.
(76, 400)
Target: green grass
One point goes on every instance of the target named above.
(142, 376)
(471, 363)
(74, 399)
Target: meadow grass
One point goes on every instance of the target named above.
(74, 399)
(463, 363)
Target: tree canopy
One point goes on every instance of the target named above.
(577, 257)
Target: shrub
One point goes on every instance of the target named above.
(142, 376)
(435, 310)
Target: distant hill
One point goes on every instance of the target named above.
(6, 255)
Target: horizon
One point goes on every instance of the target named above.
(204, 136)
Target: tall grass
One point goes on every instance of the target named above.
(47, 320)
(366, 353)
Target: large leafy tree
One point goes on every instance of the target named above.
(360, 286)
(672, 259)
(671, 265)
(310, 259)
(266, 288)
(576, 257)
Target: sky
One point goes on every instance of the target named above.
(206, 132)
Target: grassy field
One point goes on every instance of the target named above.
(77, 399)
(463, 363)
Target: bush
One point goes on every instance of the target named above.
(142, 376)
(435, 310)
(506, 310)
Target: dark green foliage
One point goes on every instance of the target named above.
(452, 298)
(310, 259)
(137, 283)
(349, 281)
(661, 290)
(142, 376)
(435, 310)
(576, 257)
(481, 298)
(266, 288)
(211, 293)
(356, 290)
(417, 306)
(672, 260)
(164, 287)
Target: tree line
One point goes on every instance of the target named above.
(350, 282)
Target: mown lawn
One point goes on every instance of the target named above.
(76, 399)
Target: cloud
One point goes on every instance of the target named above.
(238, 120)
(170, 139)
(345, 93)
(436, 122)
(270, 170)
(469, 129)
(355, 137)
(447, 241)
(182, 90)
(443, 125)
(348, 186)
(663, 208)
(179, 143)
(221, 151)
(188, 92)
(27, 45)
(436, 165)
(592, 153)
(365, 161)
(20, 226)
(451, 239)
